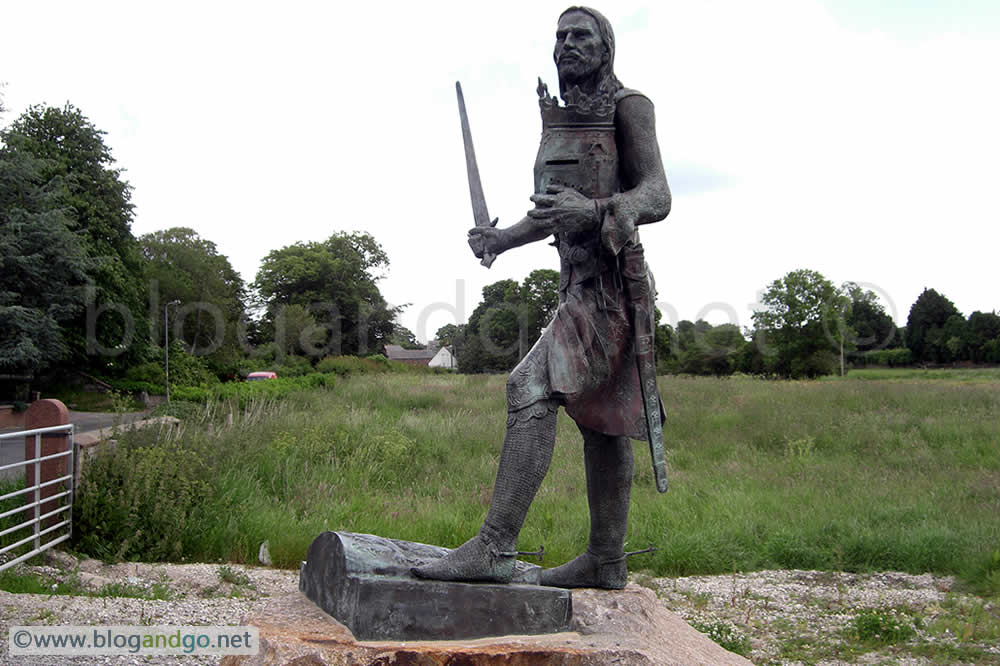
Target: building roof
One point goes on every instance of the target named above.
(397, 353)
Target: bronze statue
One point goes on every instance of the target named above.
(598, 176)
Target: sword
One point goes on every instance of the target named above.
(479, 212)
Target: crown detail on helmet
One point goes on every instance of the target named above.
(580, 109)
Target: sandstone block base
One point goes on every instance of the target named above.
(627, 627)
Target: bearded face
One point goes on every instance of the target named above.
(579, 51)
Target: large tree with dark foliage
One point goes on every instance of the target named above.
(43, 267)
(508, 321)
(984, 337)
(801, 327)
(110, 329)
(926, 334)
(871, 325)
(492, 341)
(183, 266)
(335, 280)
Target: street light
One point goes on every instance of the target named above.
(166, 346)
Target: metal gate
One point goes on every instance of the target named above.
(33, 500)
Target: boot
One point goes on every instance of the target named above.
(609, 465)
(524, 461)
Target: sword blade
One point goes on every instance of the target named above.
(479, 212)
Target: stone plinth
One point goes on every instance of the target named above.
(364, 581)
(628, 627)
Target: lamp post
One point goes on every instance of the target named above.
(166, 346)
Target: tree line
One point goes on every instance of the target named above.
(78, 291)
(805, 327)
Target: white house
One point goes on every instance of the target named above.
(443, 359)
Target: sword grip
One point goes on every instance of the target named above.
(488, 259)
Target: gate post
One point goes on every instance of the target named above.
(42, 414)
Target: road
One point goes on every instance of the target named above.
(12, 450)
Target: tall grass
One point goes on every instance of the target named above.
(848, 474)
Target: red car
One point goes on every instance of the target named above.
(261, 376)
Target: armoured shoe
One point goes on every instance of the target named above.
(478, 559)
(609, 465)
(588, 570)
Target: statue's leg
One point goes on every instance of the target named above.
(609, 465)
(524, 461)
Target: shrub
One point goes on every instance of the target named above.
(726, 636)
(879, 625)
(893, 358)
(134, 386)
(188, 370)
(190, 393)
(293, 366)
(352, 365)
(151, 373)
(134, 501)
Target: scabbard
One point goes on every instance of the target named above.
(636, 281)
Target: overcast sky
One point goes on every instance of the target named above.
(852, 137)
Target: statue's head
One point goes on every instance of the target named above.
(585, 52)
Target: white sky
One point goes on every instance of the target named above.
(859, 139)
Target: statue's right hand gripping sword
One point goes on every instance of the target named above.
(479, 212)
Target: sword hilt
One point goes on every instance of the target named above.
(488, 257)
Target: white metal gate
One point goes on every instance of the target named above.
(34, 500)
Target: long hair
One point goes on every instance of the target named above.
(608, 82)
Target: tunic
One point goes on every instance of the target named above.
(585, 358)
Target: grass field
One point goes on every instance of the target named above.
(988, 375)
(868, 472)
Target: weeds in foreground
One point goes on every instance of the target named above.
(726, 636)
(881, 626)
(227, 574)
(18, 580)
(763, 475)
(159, 591)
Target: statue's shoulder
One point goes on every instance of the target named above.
(624, 93)
(633, 108)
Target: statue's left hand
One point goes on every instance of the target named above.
(565, 209)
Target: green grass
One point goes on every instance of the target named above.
(855, 474)
(19, 581)
(920, 374)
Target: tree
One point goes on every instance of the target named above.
(297, 332)
(98, 209)
(873, 328)
(984, 336)
(508, 321)
(925, 327)
(404, 337)
(492, 334)
(43, 267)
(702, 349)
(665, 344)
(336, 281)
(802, 326)
(185, 267)
(536, 301)
(449, 334)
